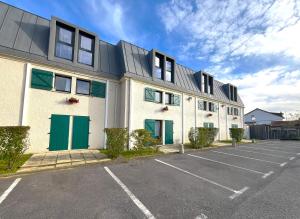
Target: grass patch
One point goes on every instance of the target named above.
(17, 165)
(189, 146)
(136, 153)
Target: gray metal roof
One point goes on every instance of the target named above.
(26, 36)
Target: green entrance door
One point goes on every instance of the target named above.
(59, 132)
(80, 137)
(168, 132)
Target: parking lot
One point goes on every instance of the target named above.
(250, 181)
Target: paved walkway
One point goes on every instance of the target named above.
(57, 159)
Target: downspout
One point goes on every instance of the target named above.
(195, 112)
(25, 95)
(106, 111)
(182, 119)
(219, 125)
(130, 111)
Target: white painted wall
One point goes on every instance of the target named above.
(262, 117)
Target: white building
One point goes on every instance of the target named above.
(259, 117)
(68, 85)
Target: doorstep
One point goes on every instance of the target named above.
(61, 159)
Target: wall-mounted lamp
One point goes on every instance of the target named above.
(189, 98)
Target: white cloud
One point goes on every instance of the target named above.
(229, 32)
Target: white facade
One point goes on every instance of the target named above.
(259, 117)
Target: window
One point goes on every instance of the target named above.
(63, 83)
(234, 126)
(236, 111)
(168, 98)
(232, 92)
(169, 70)
(211, 107)
(64, 42)
(157, 132)
(204, 105)
(159, 62)
(158, 97)
(204, 83)
(85, 52)
(207, 83)
(208, 125)
(83, 87)
(210, 85)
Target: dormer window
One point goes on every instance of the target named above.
(64, 45)
(86, 51)
(159, 64)
(207, 83)
(232, 92)
(169, 70)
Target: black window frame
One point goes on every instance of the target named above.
(161, 96)
(62, 76)
(161, 65)
(78, 79)
(211, 107)
(172, 69)
(171, 99)
(92, 51)
(204, 105)
(71, 29)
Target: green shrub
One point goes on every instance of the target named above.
(193, 137)
(117, 139)
(13, 143)
(143, 138)
(202, 137)
(237, 134)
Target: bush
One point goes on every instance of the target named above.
(202, 137)
(13, 143)
(117, 139)
(143, 138)
(237, 134)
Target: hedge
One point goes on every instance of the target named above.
(202, 137)
(117, 139)
(237, 134)
(13, 143)
(142, 138)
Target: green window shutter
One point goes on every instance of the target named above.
(149, 94)
(210, 125)
(176, 100)
(98, 89)
(41, 79)
(205, 125)
(234, 126)
(150, 126)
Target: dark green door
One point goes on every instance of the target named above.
(150, 126)
(59, 132)
(80, 137)
(168, 132)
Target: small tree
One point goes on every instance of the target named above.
(143, 138)
(237, 134)
(117, 139)
(13, 143)
(193, 137)
(202, 137)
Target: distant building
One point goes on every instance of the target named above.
(260, 117)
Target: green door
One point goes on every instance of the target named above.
(59, 132)
(80, 137)
(168, 132)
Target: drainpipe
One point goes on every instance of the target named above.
(25, 95)
(106, 111)
(195, 112)
(130, 111)
(219, 126)
(182, 119)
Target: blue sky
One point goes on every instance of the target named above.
(251, 43)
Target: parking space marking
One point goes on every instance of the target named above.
(264, 149)
(283, 164)
(251, 158)
(10, 188)
(236, 193)
(136, 201)
(255, 152)
(292, 158)
(242, 168)
(283, 147)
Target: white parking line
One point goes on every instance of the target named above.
(12, 186)
(251, 158)
(283, 147)
(236, 193)
(284, 152)
(136, 201)
(292, 158)
(255, 152)
(242, 168)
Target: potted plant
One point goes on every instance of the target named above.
(72, 100)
